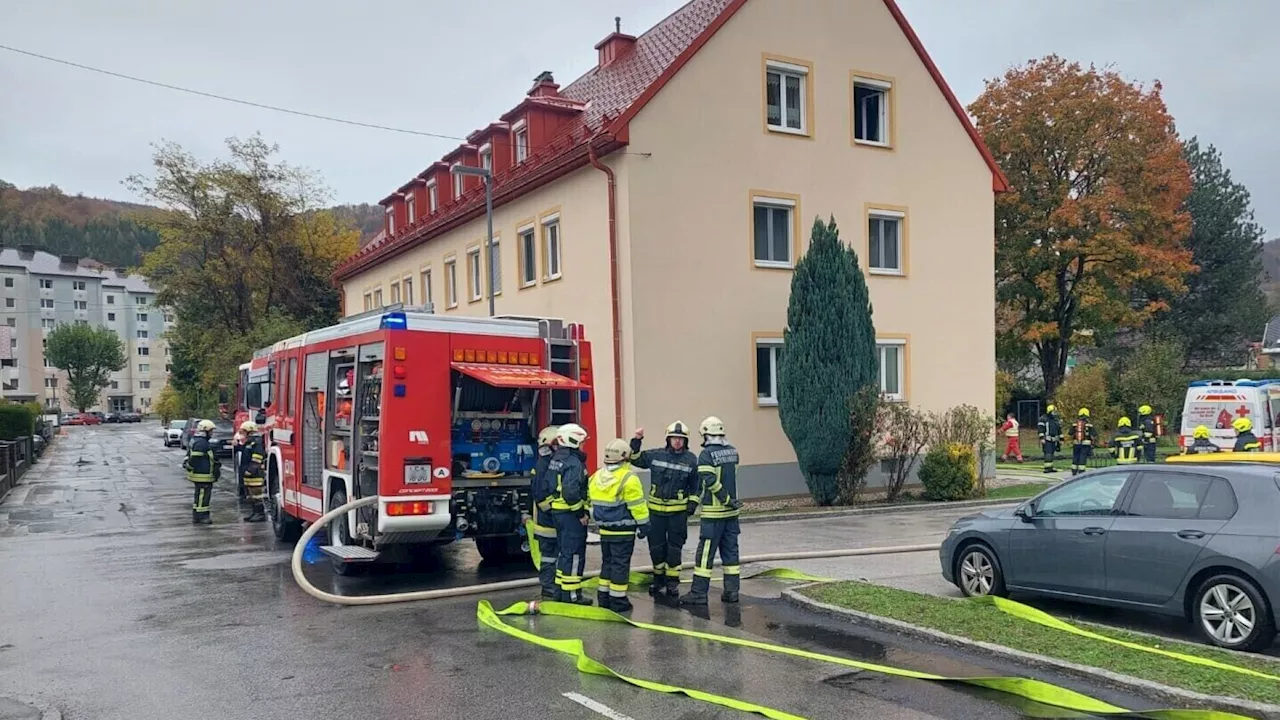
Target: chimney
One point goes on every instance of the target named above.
(26, 251)
(122, 272)
(615, 46)
(544, 86)
(70, 259)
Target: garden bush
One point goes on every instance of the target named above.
(16, 421)
(949, 472)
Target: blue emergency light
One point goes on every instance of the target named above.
(394, 321)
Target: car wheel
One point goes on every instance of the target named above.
(977, 572)
(1232, 613)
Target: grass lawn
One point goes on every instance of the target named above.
(1017, 492)
(986, 623)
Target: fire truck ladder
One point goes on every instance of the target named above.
(561, 356)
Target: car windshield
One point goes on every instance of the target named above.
(177, 424)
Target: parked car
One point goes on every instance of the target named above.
(1199, 540)
(129, 417)
(98, 414)
(83, 419)
(111, 418)
(223, 432)
(173, 433)
(187, 431)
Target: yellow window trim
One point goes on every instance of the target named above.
(551, 214)
(757, 194)
(904, 249)
(809, 84)
(904, 341)
(892, 82)
(756, 337)
(525, 225)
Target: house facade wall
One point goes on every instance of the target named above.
(700, 300)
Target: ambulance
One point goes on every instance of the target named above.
(1218, 403)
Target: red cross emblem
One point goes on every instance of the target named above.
(1242, 411)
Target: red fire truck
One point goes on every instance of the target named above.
(435, 415)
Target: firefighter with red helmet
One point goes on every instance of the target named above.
(673, 489)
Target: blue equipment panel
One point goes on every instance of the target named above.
(494, 445)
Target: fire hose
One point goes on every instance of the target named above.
(1031, 689)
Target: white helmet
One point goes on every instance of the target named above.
(205, 426)
(678, 429)
(616, 452)
(711, 426)
(248, 426)
(571, 435)
(548, 435)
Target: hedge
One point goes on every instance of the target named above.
(16, 421)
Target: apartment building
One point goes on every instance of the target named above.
(673, 186)
(41, 291)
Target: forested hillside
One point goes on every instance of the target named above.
(65, 224)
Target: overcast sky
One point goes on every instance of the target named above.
(450, 68)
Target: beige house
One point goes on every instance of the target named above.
(674, 185)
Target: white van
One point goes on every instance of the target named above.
(1218, 403)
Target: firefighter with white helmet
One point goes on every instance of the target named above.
(544, 530)
(253, 457)
(673, 487)
(202, 470)
(718, 531)
(621, 514)
(568, 473)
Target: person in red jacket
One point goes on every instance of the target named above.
(1012, 447)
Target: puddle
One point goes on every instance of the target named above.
(237, 561)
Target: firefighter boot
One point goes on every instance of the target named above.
(657, 583)
(602, 599)
(697, 595)
(673, 586)
(619, 604)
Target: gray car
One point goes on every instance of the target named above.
(1195, 540)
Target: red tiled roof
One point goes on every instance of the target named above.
(608, 98)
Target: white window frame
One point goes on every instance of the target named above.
(424, 273)
(495, 258)
(10, 302)
(8, 282)
(391, 220)
(81, 304)
(886, 90)
(775, 203)
(144, 368)
(111, 299)
(144, 351)
(783, 70)
(475, 275)
(410, 208)
(451, 282)
(51, 382)
(528, 251)
(143, 335)
(368, 301)
(46, 284)
(552, 270)
(520, 141)
(433, 197)
(144, 385)
(774, 344)
(457, 185)
(142, 317)
(377, 298)
(900, 219)
(486, 156)
(406, 284)
(78, 285)
(48, 323)
(111, 317)
(43, 306)
(901, 346)
(395, 292)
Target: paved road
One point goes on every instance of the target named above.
(114, 606)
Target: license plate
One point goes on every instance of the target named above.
(417, 475)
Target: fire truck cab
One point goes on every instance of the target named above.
(435, 415)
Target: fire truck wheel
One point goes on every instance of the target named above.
(340, 534)
(285, 526)
(497, 550)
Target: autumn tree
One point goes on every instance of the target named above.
(1094, 224)
(245, 256)
(1223, 307)
(88, 355)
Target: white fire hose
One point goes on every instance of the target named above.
(494, 587)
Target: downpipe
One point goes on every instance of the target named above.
(486, 588)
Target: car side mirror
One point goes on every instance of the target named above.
(1026, 513)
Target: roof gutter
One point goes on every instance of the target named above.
(615, 302)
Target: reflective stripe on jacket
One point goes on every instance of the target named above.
(200, 461)
(673, 476)
(1148, 425)
(1126, 447)
(541, 498)
(570, 481)
(617, 501)
(1248, 442)
(718, 475)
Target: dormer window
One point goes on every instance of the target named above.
(521, 133)
(391, 221)
(457, 186)
(433, 199)
(486, 157)
(410, 205)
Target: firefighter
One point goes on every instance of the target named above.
(1246, 441)
(1050, 433)
(718, 532)
(569, 511)
(673, 487)
(253, 456)
(1147, 424)
(202, 470)
(1083, 437)
(621, 515)
(237, 453)
(1201, 442)
(544, 530)
(1126, 443)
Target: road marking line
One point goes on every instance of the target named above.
(601, 708)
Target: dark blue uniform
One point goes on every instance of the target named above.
(202, 470)
(543, 490)
(673, 491)
(719, 530)
(568, 508)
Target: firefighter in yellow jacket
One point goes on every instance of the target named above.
(621, 514)
(1127, 443)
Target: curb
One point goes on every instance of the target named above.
(874, 510)
(47, 711)
(1146, 688)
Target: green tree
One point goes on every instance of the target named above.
(830, 355)
(88, 355)
(1153, 376)
(1224, 307)
(1087, 387)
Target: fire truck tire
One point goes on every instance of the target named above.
(285, 526)
(340, 534)
(497, 550)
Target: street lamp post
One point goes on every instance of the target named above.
(487, 177)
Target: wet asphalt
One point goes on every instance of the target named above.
(115, 606)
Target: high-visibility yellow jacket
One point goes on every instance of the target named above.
(617, 501)
(1126, 447)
